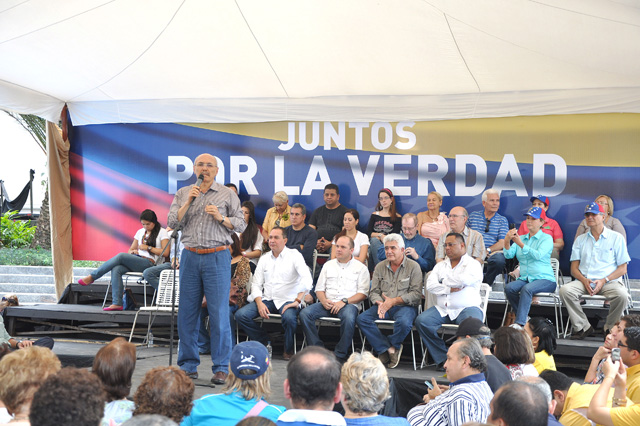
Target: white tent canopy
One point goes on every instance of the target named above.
(332, 60)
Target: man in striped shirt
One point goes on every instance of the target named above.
(468, 396)
(493, 227)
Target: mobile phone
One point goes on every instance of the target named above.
(615, 354)
(430, 385)
(512, 226)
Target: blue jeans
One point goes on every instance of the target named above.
(245, 318)
(519, 294)
(204, 275)
(403, 317)
(119, 265)
(374, 245)
(495, 266)
(347, 315)
(429, 322)
(152, 274)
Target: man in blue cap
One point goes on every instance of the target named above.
(598, 260)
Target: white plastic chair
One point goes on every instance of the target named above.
(162, 302)
(139, 279)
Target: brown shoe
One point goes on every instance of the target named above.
(286, 356)
(394, 358)
(219, 378)
(510, 319)
(384, 358)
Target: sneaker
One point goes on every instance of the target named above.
(582, 334)
(193, 375)
(394, 358)
(384, 358)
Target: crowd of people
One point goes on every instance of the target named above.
(233, 271)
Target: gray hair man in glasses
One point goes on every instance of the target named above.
(416, 247)
(458, 218)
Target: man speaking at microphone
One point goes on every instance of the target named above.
(211, 213)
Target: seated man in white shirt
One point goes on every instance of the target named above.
(342, 286)
(456, 283)
(280, 282)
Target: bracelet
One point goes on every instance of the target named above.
(222, 221)
(619, 402)
(18, 343)
(298, 300)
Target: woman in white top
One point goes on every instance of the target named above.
(251, 239)
(350, 229)
(145, 249)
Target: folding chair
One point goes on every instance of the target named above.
(330, 321)
(138, 276)
(277, 318)
(162, 302)
(555, 296)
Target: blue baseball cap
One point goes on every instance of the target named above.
(542, 198)
(594, 208)
(536, 213)
(249, 355)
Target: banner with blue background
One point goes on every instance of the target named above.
(118, 170)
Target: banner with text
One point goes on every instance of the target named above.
(118, 170)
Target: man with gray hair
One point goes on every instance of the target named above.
(396, 291)
(416, 247)
(301, 236)
(473, 240)
(468, 396)
(546, 391)
(494, 228)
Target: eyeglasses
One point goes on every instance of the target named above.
(405, 229)
(486, 228)
(456, 215)
(451, 244)
(622, 345)
(383, 198)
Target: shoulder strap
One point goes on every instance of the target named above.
(260, 405)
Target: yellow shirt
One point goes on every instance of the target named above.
(577, 402)
(272, 216)
(544, 361)
(626, 416)
(633, 384)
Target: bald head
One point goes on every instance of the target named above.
(313, 379)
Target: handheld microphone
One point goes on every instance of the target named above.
(200, 179)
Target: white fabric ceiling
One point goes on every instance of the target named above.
(356, 60)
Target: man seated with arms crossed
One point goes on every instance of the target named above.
(456, 283)
(416, 247)
(395, 295)
(327, 219)
(313, 387)
(474, 241)
(301, 236)
(493, 227)
(468, 396)
(598, 259)
(279, 283)
(341, 288)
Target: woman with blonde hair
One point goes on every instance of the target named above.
(432, 223)
(244, 391)
(609, 221)
(278, 215)
(21, 374)
(365, 388)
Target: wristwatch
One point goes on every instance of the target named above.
(489, 250)
(222, 221)
(345, 300)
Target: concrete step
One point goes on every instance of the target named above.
(27, 288)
